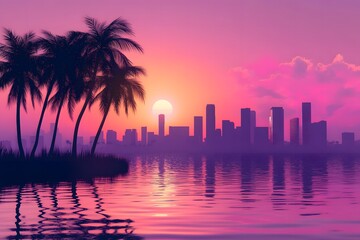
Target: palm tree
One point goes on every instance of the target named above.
(104, 45)
(120, 86)
(55, 64)
(20, 72)
(65, 63)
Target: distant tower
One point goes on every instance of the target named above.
(198, 128)
(276, 121)
(306, 122)
(252, 126)
(210, 122)
(161, 125)
(144, 136)
(246, 125)
(294, 131)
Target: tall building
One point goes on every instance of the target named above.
(276, 121)
(198, 128)
(252, 126)
(143, 136)
(111, 137)
(210, 122)
(294, 131)
(245, 125)
(161, 125)
(306, 123)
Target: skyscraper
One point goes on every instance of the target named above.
(198, 129)
(210, 122)
(144, 136)
(161, 125)
(252, 125)
(245, 125)
(276, 121)
(294, 131)
(306, 122)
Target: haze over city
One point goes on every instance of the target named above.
(227, 53)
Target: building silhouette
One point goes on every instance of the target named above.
(294, 131)
(318, 134)
(144, 136)
(252, 125)
(198, 129)
(306, 122)
(130, 137)
(161, 125)
(245, 126)
(276, 121)
(210, 122)
(228, 132)
(111, 137)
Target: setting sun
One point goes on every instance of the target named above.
(162, 107)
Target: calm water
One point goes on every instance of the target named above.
(195, 197)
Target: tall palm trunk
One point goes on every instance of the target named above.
(77, 125)
(18, 128)
(56, 126)
(99, 130)
(81, 114)
(40, 121)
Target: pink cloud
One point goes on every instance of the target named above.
(333, 88)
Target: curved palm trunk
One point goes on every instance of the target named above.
(55, 127)
(40, 121)
(77, 125)
(99, 130)
(81, 114)
(18, 128)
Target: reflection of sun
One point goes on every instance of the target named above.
(162, 107)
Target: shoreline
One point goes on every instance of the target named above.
(42, 170)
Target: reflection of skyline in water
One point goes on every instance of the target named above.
(195, 194)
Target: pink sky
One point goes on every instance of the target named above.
(234, 53)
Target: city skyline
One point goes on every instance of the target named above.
(204, 134)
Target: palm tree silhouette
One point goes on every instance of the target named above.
(20, 72)
(104, 42)
(119, 86)
(66, 68)
(53, 61)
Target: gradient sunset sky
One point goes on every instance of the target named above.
(233, 53)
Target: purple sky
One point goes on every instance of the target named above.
(232, 53)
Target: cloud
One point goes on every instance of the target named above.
(333, 88)
(266, 92)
